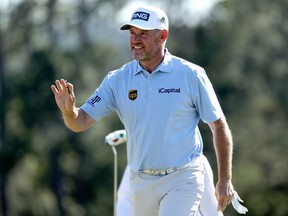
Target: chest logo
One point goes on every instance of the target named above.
(132, 94)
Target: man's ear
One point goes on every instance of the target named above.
(164, 34)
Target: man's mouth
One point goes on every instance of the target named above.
(137, 47)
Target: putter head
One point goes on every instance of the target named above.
(116, 138)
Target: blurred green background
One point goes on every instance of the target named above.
(45, 169)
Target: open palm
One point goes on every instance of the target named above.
(64, 96)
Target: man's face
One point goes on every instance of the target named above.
(145, 44)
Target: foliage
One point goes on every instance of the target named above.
(48, 170)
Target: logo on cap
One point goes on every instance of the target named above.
(140, 15)
(162, 20)
(132, 94)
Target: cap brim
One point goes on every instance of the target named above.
(127, 26)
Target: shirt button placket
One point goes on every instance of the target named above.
(149, 87)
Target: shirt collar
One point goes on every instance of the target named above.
(165, 65)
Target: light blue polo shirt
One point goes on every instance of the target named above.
(160, 111)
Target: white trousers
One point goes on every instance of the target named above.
(208, 203)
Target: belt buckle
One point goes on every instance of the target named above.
(158, 172)
(170, 170)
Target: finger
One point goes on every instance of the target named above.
(217, 196)
(222, 203)
(64, 84)
(225, 204)
(222, 207)
(229, 198)
(59, 85)
(54, 89)
(67, 86)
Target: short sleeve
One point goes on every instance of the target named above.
(101, 102)
(206, 101)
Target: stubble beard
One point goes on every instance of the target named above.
(146, 56)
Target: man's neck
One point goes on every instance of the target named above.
(152, 64)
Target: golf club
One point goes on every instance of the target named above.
(114, 139)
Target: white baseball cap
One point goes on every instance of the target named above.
(148, 18)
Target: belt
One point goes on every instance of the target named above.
(163, 172)
(159, 172)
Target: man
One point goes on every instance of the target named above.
(160, 99)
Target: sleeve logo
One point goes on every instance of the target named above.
(94, 100)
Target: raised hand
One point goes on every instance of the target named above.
(64, 96)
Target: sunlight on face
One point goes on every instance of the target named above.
(144, 44)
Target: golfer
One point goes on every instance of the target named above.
(160, 98)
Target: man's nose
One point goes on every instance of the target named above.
(135, 38)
